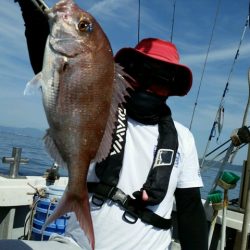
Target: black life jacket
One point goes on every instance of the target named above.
(157, 181)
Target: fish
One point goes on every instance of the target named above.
(81, 88)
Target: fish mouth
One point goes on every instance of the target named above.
(63, 7)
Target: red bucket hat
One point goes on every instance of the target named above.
(163, 53)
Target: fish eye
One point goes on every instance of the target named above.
(84, 25)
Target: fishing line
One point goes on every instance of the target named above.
(139, 21)
(205, 63)
(173, 20)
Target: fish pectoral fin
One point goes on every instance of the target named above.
(52, 149)
(34, 84)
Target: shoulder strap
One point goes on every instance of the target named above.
(157, 181)
(109, 169)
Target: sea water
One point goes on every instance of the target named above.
(31, 142)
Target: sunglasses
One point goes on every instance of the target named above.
(148, 72)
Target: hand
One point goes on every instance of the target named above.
(144, 195)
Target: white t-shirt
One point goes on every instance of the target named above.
(111, 231)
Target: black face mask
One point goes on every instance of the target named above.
(146, 107)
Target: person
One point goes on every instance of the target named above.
(156, 74)
(153, 163)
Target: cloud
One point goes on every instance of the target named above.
(227, 52)
(112, 12)
(107, 8)
(119, 19)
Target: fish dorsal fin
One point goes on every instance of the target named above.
(121, 86)
(52, 149)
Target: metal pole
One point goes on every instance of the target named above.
(15, 160)
(41, 5)
(245, 115)
(14, 166)
(224, 221)
(246, 219)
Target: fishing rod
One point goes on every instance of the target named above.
(220, 146)
(225, 91)
(219, 154)
(217, 122)
(234, 152)
(214, 150)
(238, 138)
(41, 5)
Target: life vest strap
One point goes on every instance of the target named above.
(133, 208)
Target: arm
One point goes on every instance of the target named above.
(191, 219)
(36, 32)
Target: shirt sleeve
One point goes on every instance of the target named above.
(36, 32)
(189, 164)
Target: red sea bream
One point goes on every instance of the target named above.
(81, 89)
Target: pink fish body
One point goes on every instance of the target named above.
(81, 89)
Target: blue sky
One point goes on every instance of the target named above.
(193, 25)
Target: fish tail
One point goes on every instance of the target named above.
(80, 205)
